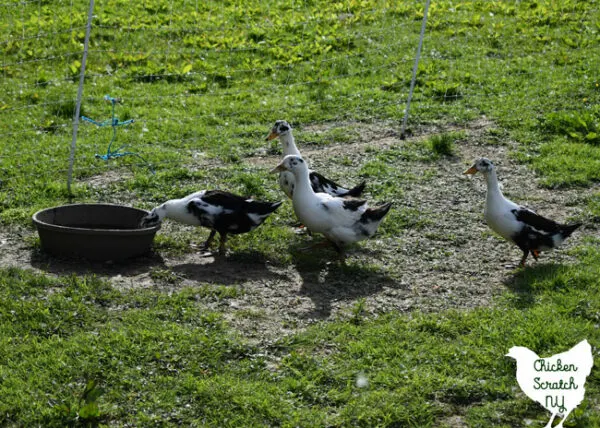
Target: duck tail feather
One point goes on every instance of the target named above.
(568, 229)
(263, 207)
(357, 190)
(377, 213)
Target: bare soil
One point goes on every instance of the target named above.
(454, 261)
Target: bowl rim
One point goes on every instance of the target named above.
(90, 230)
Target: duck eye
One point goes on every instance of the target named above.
(284, 128)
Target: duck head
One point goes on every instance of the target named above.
(483, 165)
(154, 217)
(281, 128)
(290, 163)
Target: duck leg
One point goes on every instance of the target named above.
(301, 229)
(321, 244)
(535, 254)
(207, 243)
(525, 254)
(341, 252)
(223, 240)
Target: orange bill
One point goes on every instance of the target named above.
(471, 170)
(272, 135)
(278, 168)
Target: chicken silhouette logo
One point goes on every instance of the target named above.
(556, 382)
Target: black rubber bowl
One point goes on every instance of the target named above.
(98, 232)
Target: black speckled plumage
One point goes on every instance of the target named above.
(375, 214)
(353, 204)
(236, 214)
(221, 211)
(539, 233)
(321, 184)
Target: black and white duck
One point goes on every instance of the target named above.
(319, 183)
(531, 232)
(341, 220)
(218, 210)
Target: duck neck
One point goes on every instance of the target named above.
(303, 187)
(493, 189)
(289, 145)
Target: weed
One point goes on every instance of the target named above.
(85, 410)
(358, 311)
(164, 276)
(64, 109)
(442, 144)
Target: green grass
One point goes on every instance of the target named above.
(443, 144)
(214, 93)
(167, 359)
(203, 99)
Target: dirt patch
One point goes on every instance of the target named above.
(451, 261)
(15, 248)
(107, 178)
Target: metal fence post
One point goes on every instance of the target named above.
(79, 96)
(414, 73)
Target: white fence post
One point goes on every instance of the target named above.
(414, 73)
(79, 95)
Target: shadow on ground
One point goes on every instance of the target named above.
(127, 268)
(324, 279)
(524, 282)
(229, 270)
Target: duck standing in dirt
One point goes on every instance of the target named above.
(218, 210)
(341, 220)
(531, 232)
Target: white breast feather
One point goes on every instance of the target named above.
(499, 217)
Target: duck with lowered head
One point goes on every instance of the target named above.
(220, 211)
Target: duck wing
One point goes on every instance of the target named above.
(208, 214)
(536, 221)
(322, 184)
(234, 203)
(539, 233)
(344, 212)
(352, 220)
(227, 200)
(227, 212)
